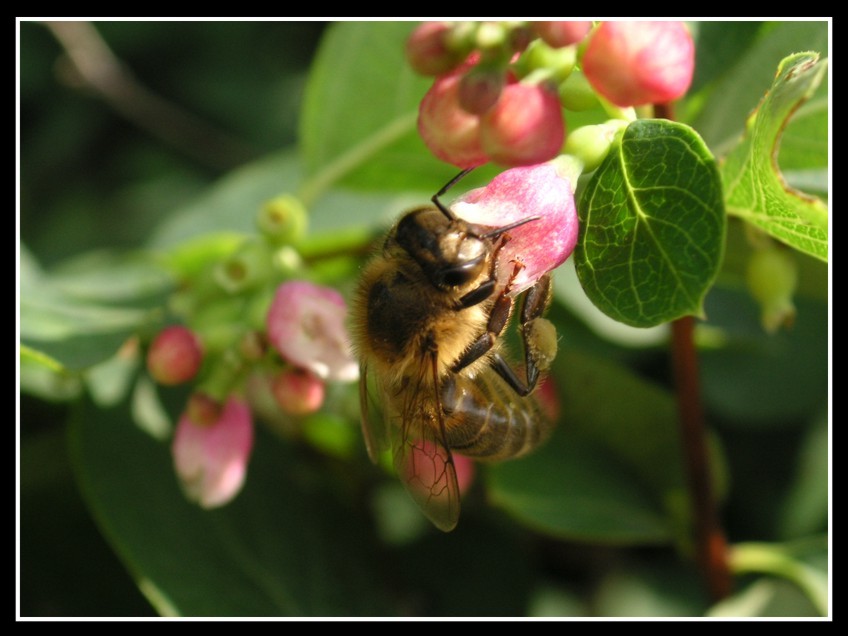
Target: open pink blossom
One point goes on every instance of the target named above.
(306, 325)
(634, 63)
(211, 458)
(540, 245)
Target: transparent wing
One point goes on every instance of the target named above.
(372, 416)
(422, 456)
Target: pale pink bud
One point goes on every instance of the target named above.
(298, 391)
(175, 355)
(563, 33)
(306, 325)
(519, 193)
(211, 459)
(450, 132)
(634, 63)
(427, 50)
(524, 127)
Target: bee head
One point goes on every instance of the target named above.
(452, 253)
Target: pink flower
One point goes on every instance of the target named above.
(306, 325)
(524, 127)
(633, 63)
(532, 191)
(211, 458)
(175, 355)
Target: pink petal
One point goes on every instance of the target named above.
(306, 324)
(530, 191)
(211, 460)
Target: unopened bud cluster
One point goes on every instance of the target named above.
(500, 88)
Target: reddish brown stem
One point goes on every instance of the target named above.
(710, 543)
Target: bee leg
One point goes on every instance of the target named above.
(539, 339)
(498, 317)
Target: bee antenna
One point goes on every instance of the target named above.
(435, 198)
(506, 228)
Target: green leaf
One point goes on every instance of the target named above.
(359, 113)
(747, 76)
(652, 226)
(287, 546)
(754, 187)
(81, 314)
(611, 472)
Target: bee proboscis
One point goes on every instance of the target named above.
(429, 316)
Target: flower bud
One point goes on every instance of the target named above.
(248, 268)
(428, 49)
(211, 458)
(282, 220)
(590, 144)
(559, 34)
(772, 277)
(576, 93)
(479, 89)
(525, 127)
(635, 63)
(298, 391)
(557, 64)
(306, 326)
(450, 132)
(175, 356)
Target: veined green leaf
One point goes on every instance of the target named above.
(652, 226)
(755, 189)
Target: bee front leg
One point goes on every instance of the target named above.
(539, 337)
(498, 317)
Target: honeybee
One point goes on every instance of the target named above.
(429, 314)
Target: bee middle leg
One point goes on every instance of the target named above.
(538, 337)
(539, 347)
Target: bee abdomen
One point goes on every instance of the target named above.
(484, 419)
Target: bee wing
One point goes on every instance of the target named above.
(422, 456)
(373, 419)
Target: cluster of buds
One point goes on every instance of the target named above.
(250, 321)
(500, 87)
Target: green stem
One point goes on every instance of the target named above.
(775, 560)
(355, 156)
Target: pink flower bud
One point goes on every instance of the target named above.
(480, 89)
(306, 325)
(531, 191)
(634, 63)
(175, 355)
(525, 127)
(211, 459)
(450, 132)
(427, 50)
(562, 33)
(298, 391)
